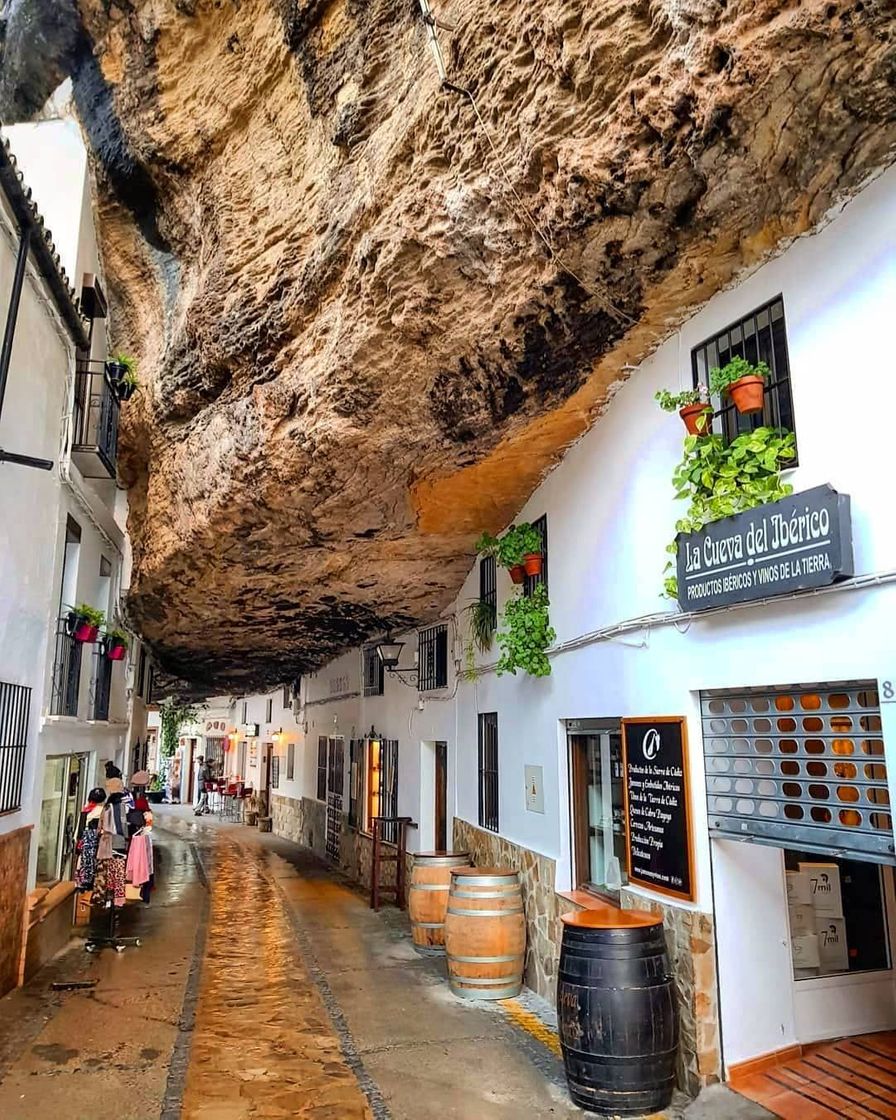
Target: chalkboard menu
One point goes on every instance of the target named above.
(658, 827)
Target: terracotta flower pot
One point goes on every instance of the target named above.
(696, 418)
(747, 393)
(84, 632)
(116, 653)
(532, 562)
(517, 573)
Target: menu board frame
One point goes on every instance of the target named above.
(688, 895)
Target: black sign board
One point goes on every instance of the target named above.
(657, 811)
(799, 542)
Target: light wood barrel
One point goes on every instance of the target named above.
(485, 933)
(428, 897)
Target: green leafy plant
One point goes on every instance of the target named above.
(156, 784)
(509, 549)
(720, 377)
(527, 636)
(130, 378)
(673, 402)
(172, 716)
(720, 480)
(127, 362)
(482, 624)
(116, 637)
(89, 615)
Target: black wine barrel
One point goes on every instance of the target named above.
(617, 1014)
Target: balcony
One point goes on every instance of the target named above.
(94, 421)
(66, 671)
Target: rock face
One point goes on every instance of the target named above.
(371, 311)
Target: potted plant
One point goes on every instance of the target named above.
(127, 386)
(118, 365)
(482, 623)
(155, 791)
(692, 406)
(742, 381)
(518, 550)
(84, 622)
(116, 643)
(529, 633)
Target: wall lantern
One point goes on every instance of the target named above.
(389, 653)
(277, 736)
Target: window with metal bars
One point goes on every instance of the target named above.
(488, 586)
(488, 770)
(336, 764)
(432, 657)
(389, 788)
(374, 672)
(760, 336)
(245, 718)
(355, 781)
(322, 768)
(141, 671)
(531, 582)
(275, 771)
(15, 706)
(268, 710)
(287, 696)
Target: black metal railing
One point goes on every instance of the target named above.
(66, 671)
(102, 684)
(95, 414)
(15, 705)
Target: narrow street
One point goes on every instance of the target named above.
(274, 993)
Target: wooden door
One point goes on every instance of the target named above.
(441, 795)
(335, 778)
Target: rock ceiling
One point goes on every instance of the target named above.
(370, 312)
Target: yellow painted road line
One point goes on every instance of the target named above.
(532, 1025)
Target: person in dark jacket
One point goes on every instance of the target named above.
(205, 776)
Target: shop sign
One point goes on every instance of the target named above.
(657, 805)
(797, 543)
(250, 730)
(213, 725)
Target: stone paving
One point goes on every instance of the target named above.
(266, 988)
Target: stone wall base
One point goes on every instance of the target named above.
(301, 820)
(14, 848)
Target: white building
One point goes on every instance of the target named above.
(64, 704)
(782, 704)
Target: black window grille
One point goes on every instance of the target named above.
(275, 771)
(488, 770)
(531, 582)
(488, 586)
(95, 419)
(760, 336)
(66, 672)
(336, 765)
(268, 710)
(151, 685)
(374, 672)
(214, 752)
(322, 768)
(15, 707)
(245, 718)
(290, 761)
(389, 788)
(141, 670)
(432, 647)
(355, 779)
(102, 685)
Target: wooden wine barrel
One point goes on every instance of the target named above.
(617, 1015)
(485, 933)
(428, 897)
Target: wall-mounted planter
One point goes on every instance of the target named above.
(125, 390)
(84, 632)
(115, 371)
(116, 652)
(517, 573)
(532, 562)
(747, 393)
(696, 418)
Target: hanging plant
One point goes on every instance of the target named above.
(116, 644)
(692, 406)
(527, 636)
(172, 716)
(720, 480)
(482, 624)
(742, 381)
(84, 622)
(519, 550)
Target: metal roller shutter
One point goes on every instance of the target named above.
(800, 767)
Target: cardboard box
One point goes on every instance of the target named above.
(824, 882)
(803, 920)
(799, 891)
(833, 952)
(804, 951)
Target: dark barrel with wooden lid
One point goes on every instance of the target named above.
(617, 1013)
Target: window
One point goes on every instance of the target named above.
(381, 790)
(151, 685)
(374, 672)
(141, 671)
(15, 705)
(541, 527)
(290, 761)
(598, 814)
(275, 769)
(760, 336)
(432, 646)
(268, 711)
(355, 781)
(287, 696)
(488, 770)
(245, 718)
(488, 586)
(322, 768)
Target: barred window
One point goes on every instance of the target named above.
(488, 770)
(374, 672)
(15, 707)
(322, 768)
(432, 647)
(268, 711)
(141, 671)
(355, 781)
(541, 527)
(760, 336)
(290, 762)
(382, 785)
(488, 586)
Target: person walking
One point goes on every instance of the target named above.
(205, 777)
